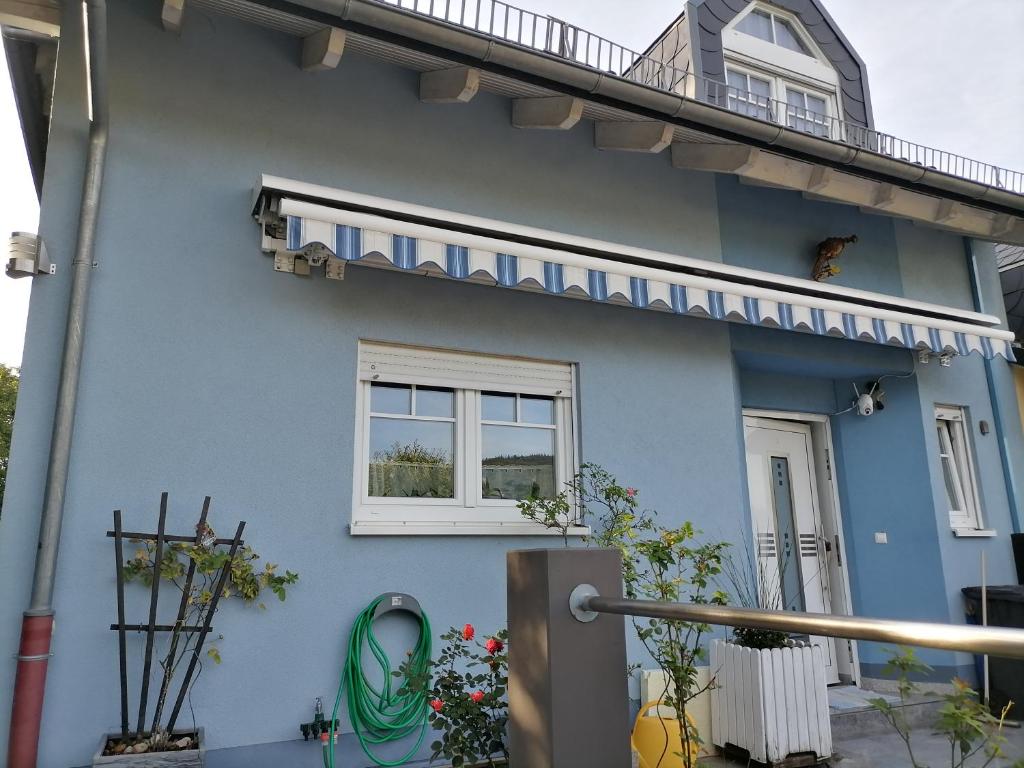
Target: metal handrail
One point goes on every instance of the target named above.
(501, 21)
(994, 641)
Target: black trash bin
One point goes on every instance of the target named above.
(1006, 676)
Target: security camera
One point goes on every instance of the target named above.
(865, 405)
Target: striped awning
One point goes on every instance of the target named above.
(455, 250)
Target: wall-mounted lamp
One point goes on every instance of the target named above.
(924, 356)
(27, 256)
(946, 359)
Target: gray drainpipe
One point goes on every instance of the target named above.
(82, 266)
(37, 622)
(1009, 471)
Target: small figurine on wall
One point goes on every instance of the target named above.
(828, 252)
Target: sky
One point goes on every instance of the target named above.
(945, 73)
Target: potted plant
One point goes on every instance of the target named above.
(765, 680)
(203, 570)
(465, 690)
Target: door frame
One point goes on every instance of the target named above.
(821, 440)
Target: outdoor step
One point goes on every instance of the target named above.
(865, 721)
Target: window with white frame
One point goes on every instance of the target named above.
(772, 28)
(806, 111)
(448, 439)
(957, 468)
(760, 94)
(749, 94)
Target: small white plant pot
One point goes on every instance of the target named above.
(773, 703)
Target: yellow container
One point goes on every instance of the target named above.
(657, 740)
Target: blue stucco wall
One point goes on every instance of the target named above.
(778, 231)
(205, 372)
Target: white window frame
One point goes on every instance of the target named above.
(779, 86)
(810, 49)
(744, 101)
(804, 91)
(468, 512)
(813, 49)
(952, 421)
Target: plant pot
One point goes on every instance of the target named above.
(772, 703)
(182, 758)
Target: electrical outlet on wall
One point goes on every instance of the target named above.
(881, 537)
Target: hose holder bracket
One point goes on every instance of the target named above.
(397, 601)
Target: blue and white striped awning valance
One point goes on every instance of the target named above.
(431, 248)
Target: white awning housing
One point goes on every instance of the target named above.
(340, 227)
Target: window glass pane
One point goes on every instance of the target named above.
(432, 401)
(961, 461)
(758, 24)
(537, 410)
(391, 398)
(749, 95)
(787, 38)
(518, 462)
(951, 489)
(410, 458)
(950, 476)
(495, 406)
(816, 105)
(795, 98)
(760, 87)
(737, 80)
(790, 581)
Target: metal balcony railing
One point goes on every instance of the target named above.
(556, 37)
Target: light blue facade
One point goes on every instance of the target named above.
(206, 372)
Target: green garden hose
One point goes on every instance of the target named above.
(387, 714)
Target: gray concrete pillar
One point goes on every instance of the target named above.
(568, 702)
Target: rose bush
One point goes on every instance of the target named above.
(466, 693)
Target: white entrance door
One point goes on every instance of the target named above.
(789, 553)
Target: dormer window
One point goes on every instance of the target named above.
(773, 29)
(774, 70)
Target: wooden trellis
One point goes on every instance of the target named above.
(161, 537)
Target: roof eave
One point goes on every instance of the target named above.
(465, 46)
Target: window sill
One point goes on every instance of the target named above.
(974, 533)
(396, 528)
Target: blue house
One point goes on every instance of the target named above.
(367, 273)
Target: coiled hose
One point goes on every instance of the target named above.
(387, 714)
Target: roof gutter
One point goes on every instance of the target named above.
(37, 622)
(465, 46)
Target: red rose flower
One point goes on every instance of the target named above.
(631, 492)
(494, 645)
(468, 632)
(477, 696)
(436, 705)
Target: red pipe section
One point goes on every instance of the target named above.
(29, 685)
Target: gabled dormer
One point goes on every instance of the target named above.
(784, 61)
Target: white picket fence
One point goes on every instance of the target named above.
(773, 703)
